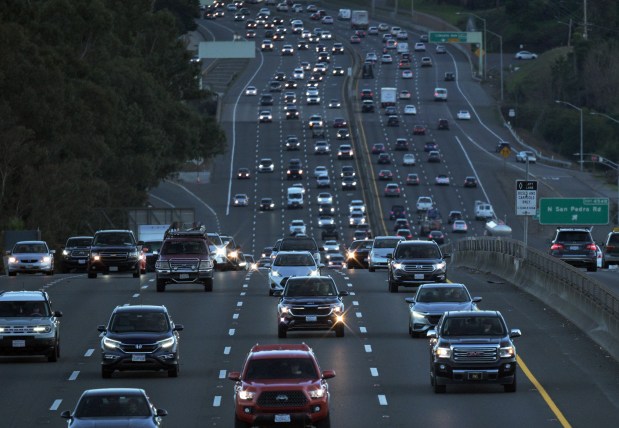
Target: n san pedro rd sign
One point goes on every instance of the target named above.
(573, 211)
(451, 37)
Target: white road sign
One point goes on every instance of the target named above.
(526, 197)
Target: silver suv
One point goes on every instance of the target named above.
(28, 325)
(611, 249)
(576, 247)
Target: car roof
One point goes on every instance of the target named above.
(23, 296)
(140, 308)
(114, 391)
(31, 242)
(278, 350)
(496, 314)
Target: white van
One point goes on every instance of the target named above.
(294, 197)
(344, 15)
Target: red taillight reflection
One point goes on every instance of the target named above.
(557, 247)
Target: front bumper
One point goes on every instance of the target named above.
(310, 322)
(448, 373)
(253, 414)
(160, 360)
(414, 279)
(128, 265)
(27, 345)
(21, 267)
(185, 277)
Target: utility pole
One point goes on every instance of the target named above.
(585, 33)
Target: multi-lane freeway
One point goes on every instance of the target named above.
(382, 379)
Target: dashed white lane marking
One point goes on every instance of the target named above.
(231, 332)
(239, 304)
(74, 375)
(222, 374)
(355, 303)
(217, 401)
(346, 277)
(55, 405)
(151, 280)
(382, 400)
(358, 314)
(352, 293)
(349, 284)
(145, 286)
(227, 350)
(235, 316)
(136, 295)
(245, 285)
(374, 371)
(368, 348)
(363, 330)
(243, 293)
(89, 352)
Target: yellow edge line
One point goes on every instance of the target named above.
(543, 393)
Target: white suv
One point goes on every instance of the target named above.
(291, 263)
(381, 248)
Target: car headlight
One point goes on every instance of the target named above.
(275, 273)
(65, 253)
(220, 251)
(397, 266)
(42, 329)
(419, 315)
(338, 309)
(507, 351)
(110, 344)
(284, 309)
(246, 395)
(318, 393)
(440, 266)
(133, 253)
(314, 273)
(166, 343)
(12, 260)
(234, 254)
(442, 352)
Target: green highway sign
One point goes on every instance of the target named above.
(573, 211)
(448, 37)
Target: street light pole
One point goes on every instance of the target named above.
(483, 41)
(501, 59)
(616, 165)
(581, 130)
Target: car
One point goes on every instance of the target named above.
(526, 156)
(348, 171)
(525, 55)
(424, 203)
(267, 45)
(115, 251)
(240, 200)
(443, 124)
(266, 204)
(75, 253)
(392, 189)
(409, 160)
(250, 34)
(298, 73)
(265, 116)
(291, 112)
(357, 205)
(294, 170)
(287, 264)
(356, 218)
(459, 226)
(355, 39)
(420, 47)
(466, 333)
(426, 61)
(345, 151)
(297, 227)
(386, 59)
(378, 148)
(324, 198)
(383, 27)
(385, 175)
(412, 179)
(404, 95)
(251, 90)
(393, 120)
(281, 370)
(430, 146)
(367, 94)
(391, 44)
(114, 407)
(243, 174)
(401, 144)
(266, 100)
(326, 209)
(413, 263)
(323, 181)
(329, 228)
(337, 49)
(266, 165)
(334, 103)
(440, 49)
(610, 254)
(402, 35)
(410, 109)
(372, 31)
(382, 247)
(463, 115)
(275, 86)
(371, 57)
(320, 170)
(360, 33)
(367, 106)
(390, 111)
(384, 159)
(434, 156)
(358, 252)
(575, 246)
(287, 50)
(140, 337)
(449, 76)
(404, 233)
(325, 221)
(407, 74)
(436, 236)
(321, 147)
(440, 94)
(349, 183)
(470, 181)
(292, 143)
(30, 257)
(337, 71)
(315, 120)
(397, 211)
(454, 215)
(340, 122)
(502, 145)
(327, 19)
(419, 129)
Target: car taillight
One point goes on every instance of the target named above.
(592, 247)
(610, 248)
(557, 247)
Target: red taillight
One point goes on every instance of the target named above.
(592, 247)
(557, 247)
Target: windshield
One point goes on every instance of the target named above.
(183, 247)
(418, 252)
(149, 322)
(79, 242)
(111, 239)
(294, 260)
(473, 326)
(310, 287)
(105, 406)
(281, 368)
(386, 243)
(442, 294)
(29, 248)
(21, 309)
(298, 245)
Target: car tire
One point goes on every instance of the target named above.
(54, 354)
(174, 371)
(49, 272)
(393, 286)
(439, 389)
(592, 268)
(12, 273)
(511, 387)
(137, 272)
(412, 332)
(340, 330)
(281, 332)
(106, 373)
(371, 269)
(208, 285)
(240, 424)
(160, 286)
(92, 275)
(324, 423)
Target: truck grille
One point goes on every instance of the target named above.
(17, 329)
(301, 311)
(79, 253)
(113, 255)
(475, 354)
(416, 268)
(282, 399)
(139, 347)
(184, 264)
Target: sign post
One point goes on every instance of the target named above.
(573, 211)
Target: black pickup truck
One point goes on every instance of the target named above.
(115, 251)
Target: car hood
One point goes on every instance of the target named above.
(441, 307)
(138, 337)
(30, 255)
(113, 422)
(277, 384)
(420, 261)
(294, 270)
(310, 300)
(474, 340)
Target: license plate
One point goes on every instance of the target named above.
(113, 268)
(282, 418)
(475, 376)
(81, 262)
(19, 344)
(574, 247)
(183, 276)
(138, 358)
(419, 276)
(311, 318)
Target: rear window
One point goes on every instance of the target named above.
(574, 236)
(614, 238)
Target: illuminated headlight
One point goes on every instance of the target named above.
(246, 395)
(65, 253)
(339, 153)
(110, 344)
(507, 352)
(284, 309)
(351, 254)
(2, 329)
(166, 343)
(221, 251)
(314, 273)
(142, 256)
(133, 253)
(272, 205)
(234, 254)
(337, 309)
(318, 393)
(419, 315)
(12, 260)
(443, 352)
(440, 266)
(275, 273)
(397, 266)
(42, 329)
(95, 256)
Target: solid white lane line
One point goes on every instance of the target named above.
(74, 375)
(363, 330)
(382, 400)
(222, 374)
(368, 348)
(374, 371)
(89, 352)
(55, 405)
(217, 401)
(227, 350)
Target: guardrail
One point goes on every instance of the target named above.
(574, 294)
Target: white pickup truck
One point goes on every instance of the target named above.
(483, 211)
(297, 227)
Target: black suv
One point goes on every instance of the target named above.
(310, 303)
(75, 253)
(140, 337)
(115, 251)
(472, 347)
(358, 253)
(397, 211)
(576, 247)
(416, 262)
(329, 231)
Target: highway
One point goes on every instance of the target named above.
(382, 374)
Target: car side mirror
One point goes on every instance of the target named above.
(161, 412)
(431, 334)
(8, 253)
(321, 265)
(476, 299)
(236, 376)
(328, 374)
(101, 328)
(52, 251)
(446, 256)
(390, 256)
(343, 293)
(66, 414)
(515, 332)
(410, 300)
(57, 314)
(179, 327)
(278, 293)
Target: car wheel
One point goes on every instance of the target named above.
(12, 273)
(412, 332)
(49, 272)
(208, 285)
(371, 269)
(54, 354)
(137, 272)
(511, 387)
(339, 330)
(281, 332)
(174, 372)
(324, 423)
(393, 287)
(605, 265)
(439, 389)
(270, 291)
(106, 373)
(92, 275)
(592, 268)
(349, 266)
(240, 424)
(160, 286)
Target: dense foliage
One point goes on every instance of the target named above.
(93, 109)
